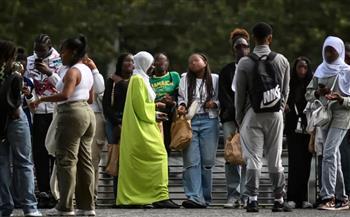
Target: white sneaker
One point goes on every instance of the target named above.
(33, 214)
(306, 205)
(232, 203)
(56, 212)
(81, 212)
(292, 204)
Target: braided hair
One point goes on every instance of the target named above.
(207, 80)
(43, 39)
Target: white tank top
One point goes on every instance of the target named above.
(81, 91)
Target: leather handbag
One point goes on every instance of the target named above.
(322, 116)
(181, 133)
(233, 150)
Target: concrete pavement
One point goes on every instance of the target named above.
(210, 212)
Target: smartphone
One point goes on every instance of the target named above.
(38, 60)
(162, 116)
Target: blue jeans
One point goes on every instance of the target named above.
(111, 138)
(235, 174)
(332, 175)
(199, 159)
(18, 149)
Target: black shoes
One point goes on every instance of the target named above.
(252, 206)
(281, 207)
(190, 204)
(165, 204)
(46, 201)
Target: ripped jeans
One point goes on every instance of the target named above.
(199, 159)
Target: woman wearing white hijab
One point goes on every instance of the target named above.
(143, 168)
(333, 67)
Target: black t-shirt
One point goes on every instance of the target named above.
(226, 94)
(113, 111)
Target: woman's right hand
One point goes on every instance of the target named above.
(181, 110)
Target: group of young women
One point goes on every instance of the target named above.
(141, 87)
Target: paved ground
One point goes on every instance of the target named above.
(212, 212)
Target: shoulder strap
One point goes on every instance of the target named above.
(112, 95)
(254, 57)
(334, 82)
(271, 56)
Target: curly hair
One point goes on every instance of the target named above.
(239, 33)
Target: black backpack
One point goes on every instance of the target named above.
(265, 94)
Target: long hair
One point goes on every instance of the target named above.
(207, 80)
(8, 52)
(119, 65)
(294, 77)
(79, 47)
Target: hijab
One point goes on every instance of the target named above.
(143, 61)
(338, 67)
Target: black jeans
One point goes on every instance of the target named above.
(43, 162)
(345, 161)
(299, 165)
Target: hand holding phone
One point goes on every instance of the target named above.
(323, 90)
(161, 116)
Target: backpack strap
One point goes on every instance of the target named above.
(271, 56)
(254, 57)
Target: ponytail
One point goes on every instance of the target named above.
(79, 47)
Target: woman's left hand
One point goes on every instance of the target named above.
(335, 96)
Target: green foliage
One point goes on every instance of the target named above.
(177, 27)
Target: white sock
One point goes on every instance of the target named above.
(280, 200)
(253, 198)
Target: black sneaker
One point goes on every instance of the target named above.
(165, 204)
(281, 207)
(43, 200)
(190, 204)
(341, 204)
(252, 206)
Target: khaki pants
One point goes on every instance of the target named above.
(75, 131)
(97, 145)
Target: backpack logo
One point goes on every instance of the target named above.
(271, 97)
(265, 93)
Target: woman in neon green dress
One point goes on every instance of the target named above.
(143, 172)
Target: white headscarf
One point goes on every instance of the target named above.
(338, 67)
(142, 61)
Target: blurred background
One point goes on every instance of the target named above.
(176, 27)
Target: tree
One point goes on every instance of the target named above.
(177, 27)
